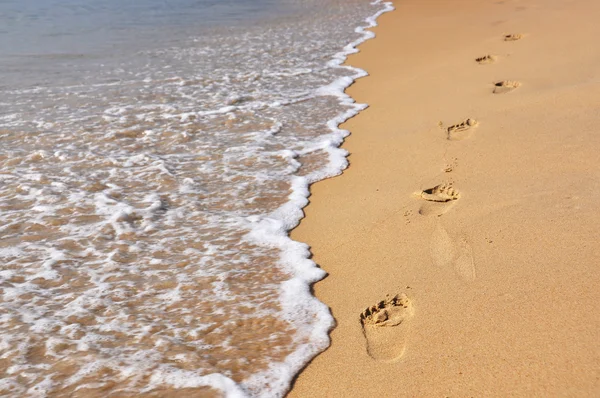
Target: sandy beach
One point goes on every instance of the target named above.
(472, 201)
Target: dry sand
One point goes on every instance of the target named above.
(499, 259)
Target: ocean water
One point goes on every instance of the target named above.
(154, 156)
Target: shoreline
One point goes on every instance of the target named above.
(487, 265)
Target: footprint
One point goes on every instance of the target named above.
(445, 252)
(439, 200)
(513, 37)
(505, 86)
(441, 193)
(435, 209)
(385, 326)
(486, 59)
(462, 130)
(441, 248)
(464, 265)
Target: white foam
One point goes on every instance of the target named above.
(187, 379)
(309, 316)
(160, 158)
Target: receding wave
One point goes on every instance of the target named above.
(145, 213)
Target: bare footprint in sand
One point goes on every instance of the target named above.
(439, 199)
(441, 193)
(464, 265)
(441, 247)
(461, 130)
(445, 252)
(505, 86)
(385, 326)
(486, 59)
(513, 37)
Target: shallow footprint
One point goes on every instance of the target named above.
(486, 59)
(445, 252)
(441, 248)
(505, 86)
(464, 265)
(385, 327)
(513, 37)
(461, 130)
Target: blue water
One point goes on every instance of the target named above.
(48, 42)
(29, 27)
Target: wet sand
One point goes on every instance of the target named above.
(472, 195)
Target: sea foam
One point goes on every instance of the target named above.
(146, 213)
(302, 309)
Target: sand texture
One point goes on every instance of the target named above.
(462, 243)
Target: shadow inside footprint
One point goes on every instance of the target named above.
(440, 199)
(461, 130)
(441, 193)
(486, 59)
(385, 327)
(513, 37)
(505, 86)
